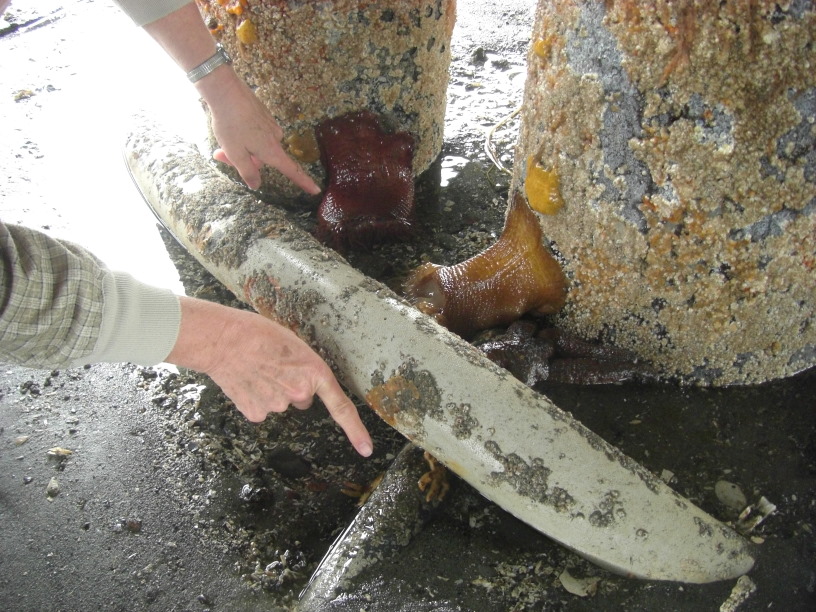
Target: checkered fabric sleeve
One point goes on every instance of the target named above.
(61, 307)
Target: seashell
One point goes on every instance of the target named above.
(370, 194)
(514, 276)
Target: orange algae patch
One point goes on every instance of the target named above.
(246, 32)
(388, 398)
(543, 188)
(543, 46)
(303, 146)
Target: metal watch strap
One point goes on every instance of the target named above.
(206, 67)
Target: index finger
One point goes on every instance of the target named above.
(345, 414)
(294, 172)
(247, 167)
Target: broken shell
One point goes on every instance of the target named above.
(582, 587)
(514, 276)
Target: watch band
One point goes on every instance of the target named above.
(207, 66)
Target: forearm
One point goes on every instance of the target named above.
(183, 36)
(201, 331)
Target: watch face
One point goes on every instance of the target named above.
(223, 53)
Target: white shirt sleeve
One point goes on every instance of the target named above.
(143, 12)
(140, 323)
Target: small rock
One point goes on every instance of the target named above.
(127, 524)
(31, 388)
(730, 495)
(151, 594)
(27, 479)
(53, 488)
(479, 56)
(254, 495)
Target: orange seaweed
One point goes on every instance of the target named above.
(543, 188)
(246, 32)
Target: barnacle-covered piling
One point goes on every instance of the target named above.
(682, 137)
(310, 61)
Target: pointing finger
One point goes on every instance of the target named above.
(292, 170)
(345, 414)
(247, 167)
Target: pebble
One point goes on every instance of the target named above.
(667, 476)
(730, 495)
(53, 488)
(131, 525)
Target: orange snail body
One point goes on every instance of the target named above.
(514, 276)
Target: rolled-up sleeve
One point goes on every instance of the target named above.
(61, 307)
(143, 12)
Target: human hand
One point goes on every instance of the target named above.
(248, 134)
(246, 131)
(262, 366)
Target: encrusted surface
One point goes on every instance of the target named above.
(683, 138)
(315, 60)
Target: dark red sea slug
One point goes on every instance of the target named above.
(370, 194)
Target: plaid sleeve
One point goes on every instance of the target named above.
(61, 307)
(50, 299)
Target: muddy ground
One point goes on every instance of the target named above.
(169, 500)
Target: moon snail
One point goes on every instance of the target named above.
(370, 192)
(514, 276)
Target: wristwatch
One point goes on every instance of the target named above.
(207, 66)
